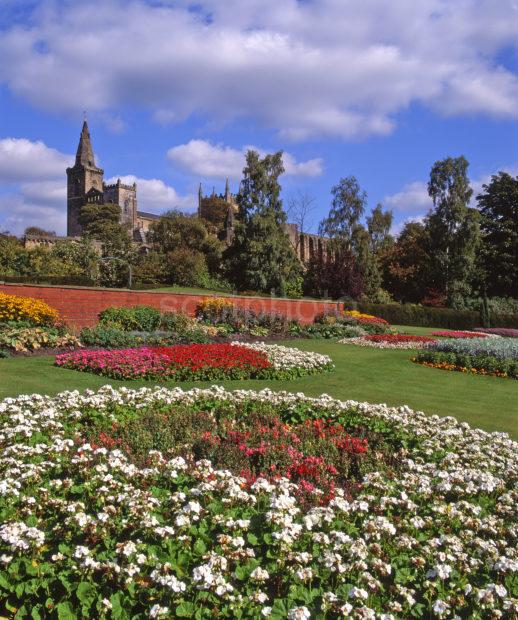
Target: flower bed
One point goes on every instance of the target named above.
(365, 319)
(37, 312)
(88, 532)
(501, 348)
(198, 362)
(499, 331)
(459, 334)
(391, 341)
(474, 364)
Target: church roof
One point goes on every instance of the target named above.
(85, 153)
(149, 216)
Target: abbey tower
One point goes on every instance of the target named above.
(82, 178)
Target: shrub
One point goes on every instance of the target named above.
(113, 338)
(33, 338)
(425, 316)
(329, 330)
(140, 318)
(34, 311)
(186, 267)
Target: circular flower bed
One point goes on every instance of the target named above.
(428, 527)
(391, 341)
(198, 362)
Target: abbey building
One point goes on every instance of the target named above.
(85, 184)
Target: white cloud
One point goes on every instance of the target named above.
(412, 203)
(32, 177)
(204, 159)
(23, 160)
(320, 68)
(412, 199)
(154, 196)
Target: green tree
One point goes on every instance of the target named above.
(101, 222)
(347, 208)
(261, 257)
(378, 225)
(178, 235)
(405, 264)
(78, 259)
(96, 218)
(13, 256)
(453, 228)
(498, 206)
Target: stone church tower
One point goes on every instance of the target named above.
(82, 179)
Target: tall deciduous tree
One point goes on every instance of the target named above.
(378, 226)
(347, 208)
(453, 227)
(499, 223)
(261, 256)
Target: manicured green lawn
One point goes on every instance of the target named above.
(363, 374)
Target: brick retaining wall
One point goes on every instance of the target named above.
(79, 306)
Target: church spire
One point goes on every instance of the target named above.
(85, 154)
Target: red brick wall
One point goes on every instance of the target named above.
(79, 306)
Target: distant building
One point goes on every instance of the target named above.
(221, 210)
(85, 184)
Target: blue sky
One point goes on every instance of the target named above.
(176, 91)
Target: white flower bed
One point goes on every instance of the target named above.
(287, 358)
(363, 342)
(87, 534)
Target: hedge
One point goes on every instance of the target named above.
(426, 316)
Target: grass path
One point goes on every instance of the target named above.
(363, 374)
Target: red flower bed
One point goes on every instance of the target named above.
(459, 334)
(225, 356)
(398, 338)
(183, 362)
(315, 454)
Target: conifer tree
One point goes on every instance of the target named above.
(261, 257)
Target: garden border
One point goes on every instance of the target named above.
(80, 305)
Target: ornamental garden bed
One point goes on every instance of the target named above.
(483, 356)
(391, 341)
(236, 360)
(374, 512)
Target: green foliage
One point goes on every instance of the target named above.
(498, 206)
(347, 207)
(114, 338)
(95, 219)
(413, 314)
(185, 267)
(454, 229)
(23, 338)
(261, 257)
(378, 226)
(140, 318)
